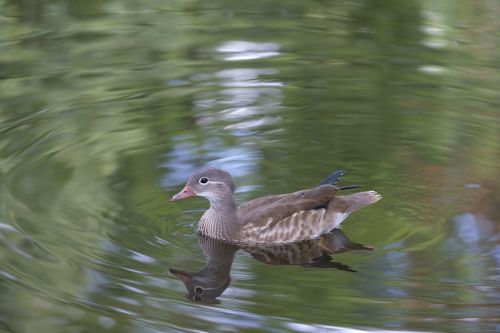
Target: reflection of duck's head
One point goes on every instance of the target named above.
(211, 281)
(201, 288)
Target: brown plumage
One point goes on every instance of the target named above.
(274, 219)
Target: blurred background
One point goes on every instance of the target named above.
(107, 106)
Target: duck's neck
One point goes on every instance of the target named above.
(220, 220)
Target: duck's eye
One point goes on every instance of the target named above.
(203, 180)
(198, 290)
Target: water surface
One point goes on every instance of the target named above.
(106, 107)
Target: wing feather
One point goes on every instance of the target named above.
(280, 207)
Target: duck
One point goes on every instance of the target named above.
(273, 219)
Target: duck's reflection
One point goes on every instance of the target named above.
(211, 281)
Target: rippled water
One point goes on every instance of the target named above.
(107, 106)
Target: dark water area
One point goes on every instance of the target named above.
(106, 107)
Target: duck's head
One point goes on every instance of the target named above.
(211, 183)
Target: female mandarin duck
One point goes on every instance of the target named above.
(275, 219)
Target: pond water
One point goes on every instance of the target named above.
(107, 106)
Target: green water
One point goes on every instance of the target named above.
(107, 106)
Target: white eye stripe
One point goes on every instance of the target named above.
(205, 181)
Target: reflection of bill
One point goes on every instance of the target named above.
(211, 281)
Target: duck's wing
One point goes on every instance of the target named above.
(286, 218)
(299, 219)
(248, 207)
(279, 207)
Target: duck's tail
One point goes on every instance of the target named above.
(341, 206)
(359, 200)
